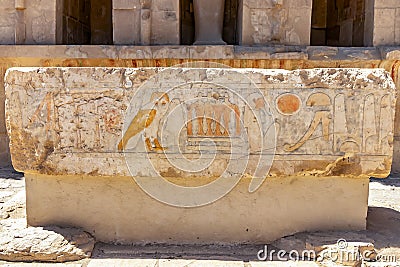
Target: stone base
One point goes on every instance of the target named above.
(115, 209)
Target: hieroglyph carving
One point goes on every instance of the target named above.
(59, 117)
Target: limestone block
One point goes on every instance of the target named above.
(2, 116)
(390, 53)
(165, 27)
(266, 22)
(126, 25)
(262, 26)
(115, 209)
(369, 23)
(346, 33)
(206, 52)
(6, 4)
(387, 3)
(397, 27)
(40, 22)
(165, 5)
(170, 51)
(7, 18)
(383, 36)
(385, 17)
(299, 3)
(262, 4)
(321, 122)
(126, 4)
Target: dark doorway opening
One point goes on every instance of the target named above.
(230, 32)
(87, 22)
(340, 23)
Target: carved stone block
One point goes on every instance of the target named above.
(149, 145)
(325, 122)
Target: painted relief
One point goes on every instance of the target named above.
(330, 114)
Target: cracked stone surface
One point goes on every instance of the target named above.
(321, 120)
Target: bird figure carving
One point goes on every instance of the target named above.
(148, 120)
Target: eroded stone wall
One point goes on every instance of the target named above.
(275, 21)
(28, 22)
(288, 22)
(111, 134)
(340, 23)
(76, 22)
(4, 148)
(146, 22)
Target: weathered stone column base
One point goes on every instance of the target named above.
(116, 209)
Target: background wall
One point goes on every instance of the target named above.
(386, 22)
(146, 22)
(341, 22)
(30, 22)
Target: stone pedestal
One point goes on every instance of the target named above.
(115, 209)
(199, 154)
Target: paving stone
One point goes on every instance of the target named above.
(50, 244)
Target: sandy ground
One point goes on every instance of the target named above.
(383, 230)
